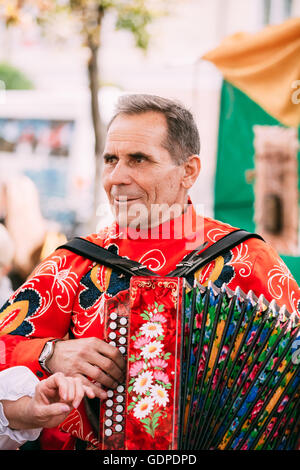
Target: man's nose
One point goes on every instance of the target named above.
(120, 174)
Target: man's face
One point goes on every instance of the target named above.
(138, 170)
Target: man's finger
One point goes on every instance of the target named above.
(79, 392)
(56, 409)
(97, 375)
(95, 386)
(106, 365)
(111, 352)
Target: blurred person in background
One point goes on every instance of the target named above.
(6, 262)
(24, 221)
(33, 236)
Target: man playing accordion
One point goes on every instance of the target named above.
(55, 321)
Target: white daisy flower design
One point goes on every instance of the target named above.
(160, 395)
(143, 407)
(152, 350)
(152, 330)
(143, 382)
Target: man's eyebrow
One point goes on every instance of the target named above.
(108, 155)
(139, 155)
(131, 154)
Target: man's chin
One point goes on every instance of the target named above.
(131, 214)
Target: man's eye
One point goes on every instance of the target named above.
(139, 159)
(110, 160)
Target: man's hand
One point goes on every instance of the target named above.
(54, 398)
(89, 358)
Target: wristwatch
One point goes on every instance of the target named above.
(47, 353)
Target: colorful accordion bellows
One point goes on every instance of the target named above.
(208, 368)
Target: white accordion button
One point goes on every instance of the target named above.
(120, 388)
(112, 335)
(112, 325)
(109, 403)
(119, 408)
(122, 350)
(123, 331)
(123, 321)
(113, 343)
(108, 432)
(110, 393)
(113, 316)
(122, 340)
(118, 427)
(119, 418)
(108, 413)
(120, 399)
(108, 423)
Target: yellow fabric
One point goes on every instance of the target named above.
(265, 66)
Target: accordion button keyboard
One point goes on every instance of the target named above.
(113, 418)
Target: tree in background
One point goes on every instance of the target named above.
(87, 16)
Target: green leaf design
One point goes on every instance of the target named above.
(132, 358)
(145, 316)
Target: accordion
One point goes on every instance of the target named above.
(207, 368)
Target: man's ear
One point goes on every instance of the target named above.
(192, 169)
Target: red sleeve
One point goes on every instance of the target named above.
(39, 310)
(259, 268)
(18, 350)
(275, 279)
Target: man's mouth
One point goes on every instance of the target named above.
(124, 199)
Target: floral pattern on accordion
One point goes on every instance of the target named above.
(149, 383)
(152, 362)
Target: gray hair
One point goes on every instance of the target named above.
(182, 138)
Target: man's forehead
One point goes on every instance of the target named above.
(139, 127)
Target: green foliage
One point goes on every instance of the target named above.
(134, 16)
(14, 78)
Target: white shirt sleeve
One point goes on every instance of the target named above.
(15, 383)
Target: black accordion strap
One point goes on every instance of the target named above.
(94, 252)
(199, 257)
(193, 261)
